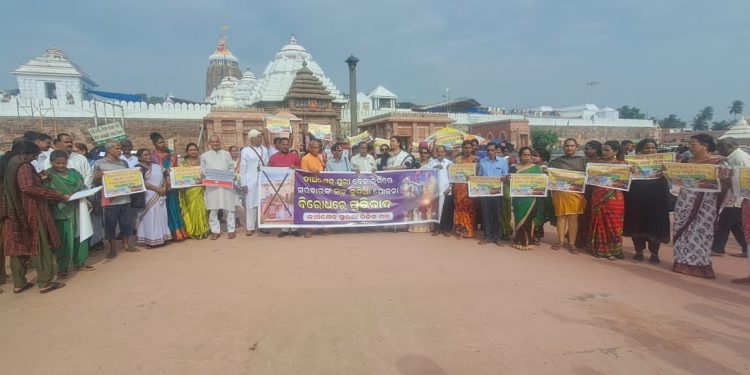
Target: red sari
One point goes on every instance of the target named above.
(607, 222)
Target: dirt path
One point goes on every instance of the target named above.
(378, 303)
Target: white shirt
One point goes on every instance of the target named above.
(132, 161)
(42, 161)
(737, 158)
(364, 164)
(251, 159)
(218, 198)
(442, 174)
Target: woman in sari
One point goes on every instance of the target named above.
(192, 202)
(647, 210)
(544, 211)
(153, 225)
(162, 156)
(29, 231)
(68, 182)
(568, 205)
(696, 212)
(524, 208)
(464, 215)
(428, 189)
(607, 211)
(592, 151)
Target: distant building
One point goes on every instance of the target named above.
(53, 76)
(221, 63)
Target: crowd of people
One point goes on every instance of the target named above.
(40, 226)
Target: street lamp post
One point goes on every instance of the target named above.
(591, 85)
(352, 62)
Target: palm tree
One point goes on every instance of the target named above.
(737, 108)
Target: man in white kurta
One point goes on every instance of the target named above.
(218, 198)
(440, 164)
(252, 158)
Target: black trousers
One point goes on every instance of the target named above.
(446, 217)
(730, 219)
(491, 215)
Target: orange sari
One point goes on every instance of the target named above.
(464, 214)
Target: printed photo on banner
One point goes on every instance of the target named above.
(278, 125)
(218, 178)
(484, 186)
(460, 172)
(741, 182)
(184, 177)
(648, 165)
(528, 185)
(122, 182)
(564, 180)
(342, 199)
(276, 206)
(610, 176)
(319, 131)
(696, 177)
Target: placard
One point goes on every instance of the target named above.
(278, 125)
(184, 177)
(565, 180)
(357, 139)
(319, 131)
(741, 180)
(113, 131)
(484, 186)
(122, 182)
(649, 165)
(460, 172)
(696, 177)
(528, 185)
(218, 178)
(610, 176)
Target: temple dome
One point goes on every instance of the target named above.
(222, 52)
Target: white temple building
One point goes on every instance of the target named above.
(276, 80)
(52, 76)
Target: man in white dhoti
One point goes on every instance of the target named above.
(218, 198)
(252, 158)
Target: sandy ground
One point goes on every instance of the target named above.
(378, 303)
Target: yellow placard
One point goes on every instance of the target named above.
(697, 177)
(460, 172)
(564, 180)
(278, 125)
(183, 177)
(357, 139)
(611, 176)
(742, 182)
(122, 182)
(319, 131)
(528, 185)
(649, 165)
(483, 186)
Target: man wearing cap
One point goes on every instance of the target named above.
(252, 158)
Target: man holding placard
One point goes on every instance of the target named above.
(219, 198)
(492, 207)
(730, 217)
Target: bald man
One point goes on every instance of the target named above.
(218, 198)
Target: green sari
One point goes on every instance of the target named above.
(66, 220)
(524, 211)
(193, 207)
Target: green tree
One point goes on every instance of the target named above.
(722, 125)
(737, 108)
(700, 121)
(543, 139)
(627, 112)
(155, 100)
(672, 122)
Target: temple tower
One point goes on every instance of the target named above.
(221, 63)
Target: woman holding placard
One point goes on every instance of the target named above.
(192, 202)
(695, 214)
(568, 205)
(524, 208)
(163, 156)
(607, 211)
(647, 210)
(464, 214)
(153, 225)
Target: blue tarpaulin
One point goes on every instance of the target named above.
(119, 96)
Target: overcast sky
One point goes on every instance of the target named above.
(663, 56)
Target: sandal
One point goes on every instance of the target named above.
(133, 250)
(22, 289)
(62, 275)
(435, 233)
(308, 234)
(230, 235)
(52, 285)
(557, 246)
(249, 233)
(214, 237)
(85, 268)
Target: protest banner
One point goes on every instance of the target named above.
(565, 180)
(696, 177)
(296, 198)
(483, 186)
(122, 182)
(610, 176)
(218, 178)
(321, 132)
(184, 177)
(108, 132)
(648, 165)
(741, 182)
(528, 185)
(447, 137)
(364, 136)
(278, 125)
(460, 172)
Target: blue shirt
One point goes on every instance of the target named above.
(490, 168)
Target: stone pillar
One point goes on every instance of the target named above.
(352, 62)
